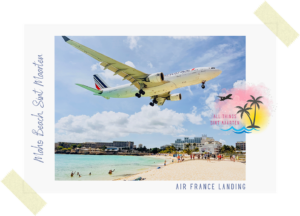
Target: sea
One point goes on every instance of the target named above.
(99, 165)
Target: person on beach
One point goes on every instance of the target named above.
(208, 157)
(233, 158)
(191, 157)
(205, 156)
(110, 171)
(237, 158)
(178, 158)
(165, 163)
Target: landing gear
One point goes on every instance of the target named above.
(138, 95)
(203, 84)
(142, 92)
(153, 102)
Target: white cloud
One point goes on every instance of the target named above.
(222, 141)
(240, 84)
(213, 87)
(188, 88)
(210, 105)
(133, 41)
(129, 63)
(150, 65)
(190, 37)
(94, 67)
(107, 74)
(220, 55)
(193, 117)
(111, 125)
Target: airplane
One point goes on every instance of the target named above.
(228, 97)
(157, 86)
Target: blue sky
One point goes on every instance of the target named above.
(80, 116)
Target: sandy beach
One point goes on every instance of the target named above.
(194, 170)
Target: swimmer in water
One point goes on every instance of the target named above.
(111, 171)
(79, 175)
(90, 174)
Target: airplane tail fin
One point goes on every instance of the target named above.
(99, 82)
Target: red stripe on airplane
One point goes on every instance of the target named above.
(97, 86)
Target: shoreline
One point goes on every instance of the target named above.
(167, 158)
(198, 169)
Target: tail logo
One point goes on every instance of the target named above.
(97, 86)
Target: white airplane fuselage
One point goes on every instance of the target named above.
(175, 80)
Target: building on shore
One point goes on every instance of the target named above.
(119, 144)
(240, 146)
(211, 148)
(110, 148)
(197, 142)
(134, 146)
(140, 145)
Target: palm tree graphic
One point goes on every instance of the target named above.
(245, 110)
(255, 102)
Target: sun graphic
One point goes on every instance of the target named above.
(261, 118)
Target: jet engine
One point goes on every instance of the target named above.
(156, 77)
(175, 97)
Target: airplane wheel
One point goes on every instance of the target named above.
(142, 92)
(203, 86)
(137, 95)
(151, 104)
(155, 101)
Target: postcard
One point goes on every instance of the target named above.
(154, 109)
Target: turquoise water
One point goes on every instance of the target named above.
(99, 165)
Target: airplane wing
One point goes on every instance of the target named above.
(133, 75)
(161, 98)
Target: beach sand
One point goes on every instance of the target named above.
(194, 170)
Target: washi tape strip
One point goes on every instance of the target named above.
(276, 24)
(23, 192)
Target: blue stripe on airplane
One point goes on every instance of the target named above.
(99, 80)
(96, 81)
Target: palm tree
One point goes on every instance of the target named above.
(244, 110)
(255, 102)
(188, 145)
(194, 144)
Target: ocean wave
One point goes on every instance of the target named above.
(239, 130)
